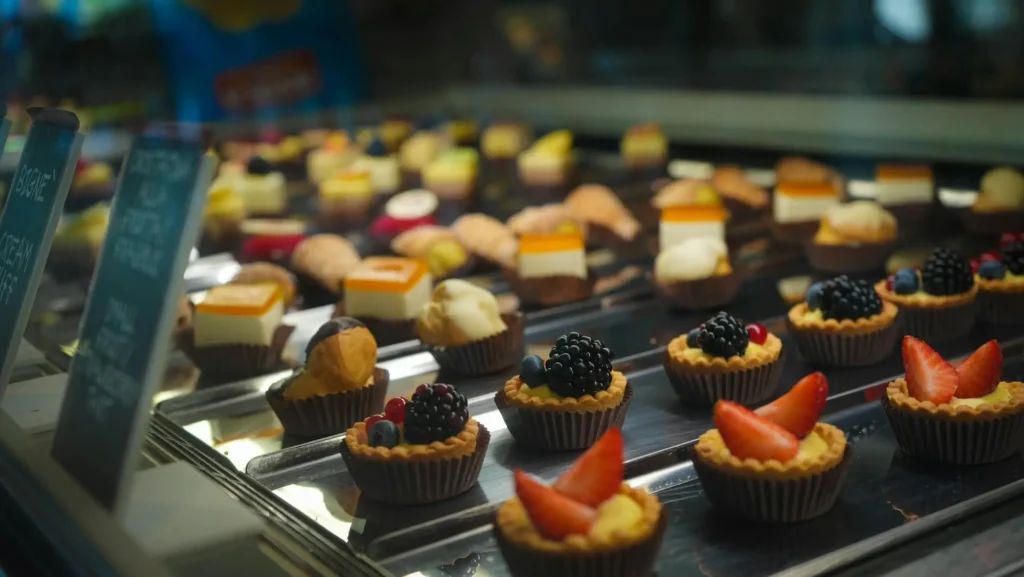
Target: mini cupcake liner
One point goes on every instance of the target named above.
(832, 349)
(970, 441)
(772, 500)
(385, 332)
(331, 414)
(937, 324)
(560, 430)
(484, 356)
(793, 232)
(551, 290)
(1001, 308)
(849, 259)
(992, 223)
(741, 211)
(708, 293)
(705, 387)
(417, 482)
(636, 560)
(237, 361)
(314, 292)
(599, 235)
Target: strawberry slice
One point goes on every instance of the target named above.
(929, 376)
(555, 515)
(596, 474)
(798, 410)
(749, 436)
(980, 373)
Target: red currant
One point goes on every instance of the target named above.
(975, 263)
(394, 411)
(758, 334)
(987, 256)
(372, 420)
(421, 388)
(888, 283)
(1006, 238)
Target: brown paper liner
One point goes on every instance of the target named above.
(937, 324)
(551, 290)
(708, 293)
(599, 235)
(793, 232)
(314, 292)
(237, 361)
(560, 430)
(704, 388)
(741, 211)
(992, 223)
(340, 215)
(832, 349)
(636, 560)
(1001, 308)
(912, 217)
(485, 356)
(971, 441)
(849, 259)
(331, 414)
(416, 482)
(772, 500)
(385, 332)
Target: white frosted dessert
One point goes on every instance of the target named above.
(238, 314)
(897, 185)
(803, 202)
(692, 259)
(387, 288)
(544, 255)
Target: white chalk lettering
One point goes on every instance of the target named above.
(31, 182)
(140, 257)
(140, 222)
(8, 281)
(122, 315)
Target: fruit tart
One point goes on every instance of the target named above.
(844, 323)
(723, 359)
(588, 524)
(1000, 280)
(569, 400)
(421, 450)
(962, 415)
(337, 385)
(852, 238)
(938, 303)
(777, 464)
(999, 207)
(696, 274)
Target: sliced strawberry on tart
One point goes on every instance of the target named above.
(963, 415)
(775, 464)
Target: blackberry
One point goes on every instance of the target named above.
(723, 336)
(258, 165)
(1013, 257)
(843, 298)
(578, 365)
(946, 273)
(435, 413)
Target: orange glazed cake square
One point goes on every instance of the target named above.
(679, 223)
(388, 288)
(802, 202)
(542, 255)
(239, 314)
(904, 184)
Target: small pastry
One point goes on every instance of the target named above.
(321, 263)
(588, 523)
(906, 191)
(963, 415)
(680, 223)
(461, 131)
(223, 215)
(686, 192)
(93, 180)
(78, 242)
(598, 206)
(644, 148)
(421, 450)
(551, 270)
(800, 170)
(844, 323)
(737, 191)
(466, 332)
(394, 131)
(798, 207)
(336, 153)
(486, 238)
(417, 152)
(345, 198)
(999, 207)
(722, 359)
(268, 273)
(272, 239)
(503, 141)
(386, 294)
(435, 245)
(565, 402)
(792, 289)
(383, 166)
(546, 219)
(287, 154)
(855, 237)
(1000, 280)
(264, 190)
(778, 464)
(313, 138)
(548, 163)
(338, 384)
(939, 302)
(453, 174)
(405, 211)
(696, 274)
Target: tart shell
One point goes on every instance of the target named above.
(484, 356)
(1000, 302)
(846, 343)
(237, 361)
(706, 381)
(849, 258)
(708, 293)
(937, 318)
(551, 290)
(324, 415)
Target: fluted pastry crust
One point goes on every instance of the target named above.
(918, 300)
(455, 447)
(844, 326)
(901, 399)
(603, 400)
(769, 352)
(712, 450)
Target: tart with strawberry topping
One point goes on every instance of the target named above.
(423, 449)
(777, 464)
(1000, 280)
(724, 359)
(962, 415)
(844, 323)
(589, 523)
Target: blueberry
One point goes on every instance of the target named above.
(814, 295)
(908, 275)
(376, 148)
(531, 371)
(384, 433)
(992, 269)
(691, 338)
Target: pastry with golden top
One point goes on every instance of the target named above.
(938, 302)
(423, 449)
(345, 198)
(723, 359)
(1000, 280)
(548, 164)
(552, 218)
(387, 293)
(486, 238)
(568, 400)
(268, 273)
(338, 384)
(686, 192)
(320, 263)
(844, 323)
(503, 141)
(696, 274)
(453, 174)
(551, 269)
(959, 415)
(740, 195)
(589, 522)
(999, 207)
(645, 148)
(608, 219)
(777, 464)
(435, 245)
(855, 237)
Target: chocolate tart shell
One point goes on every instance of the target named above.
(417, 482)
(849, 259)
(237, 361)
(385, 332)
(636, 560)
(314, 292)
(708, 293)
(837, 349)
(937, 324)
(1001, 308)
(704, 388)
(771, 500)
(992, 223)
(912, 217)
(551, 290)
(331, 414)
(485, 356)
(793, 232)
(560, 430)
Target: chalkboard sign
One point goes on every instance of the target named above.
(5, 128)
(124, 335)
(29, 220)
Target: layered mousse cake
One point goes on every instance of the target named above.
(387, 293)
(797, 208)
(679, 223)
(552, 269)
(238, 314)
(644, 147)
(907, 191)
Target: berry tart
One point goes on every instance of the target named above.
(588, 524)
(938, 303)
(777, 464)
(569, 400)
(854, 237)
(696, 274)
(962, 415)
(1000, 280)
(844, 323)
(421, 450)
(723, 359)
(338, 384)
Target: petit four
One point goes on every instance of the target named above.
(546, 219)
(854, 237)
(486, 238)
(321, 263)
(644, 147)
(548, 163)
(418, 151)
(264, 190)
(938, 302)
(387, 293)
(503, 141)
(394, 131)
(435, 245)
(686, 192)
(608, 219)
(696, 274)
(680, 223)
(268, 273)
(345, 198)
(224, 214)
(551, 269)
(382, 165)
(797, 208)
(908, 192)
(999, 206)
(741, 196)
(1000, 280)
(405, 211)
(285, 153)
(334, 154)
(461, 131)
(453, 174)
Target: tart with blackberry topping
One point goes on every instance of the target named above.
(962, 415)
(423, 449)
(724, 359)
(938, 303)
(588, 523)
(844, 323)
(567, 401)
(1000, 280)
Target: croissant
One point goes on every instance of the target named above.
(597, 204)
(486, 237)
(732, 182)
(546, 219)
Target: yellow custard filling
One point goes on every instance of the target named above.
(753, 350)
(1001, 394)
(1010, 278)
(541, 392)
(620, 513)
(811, 447)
